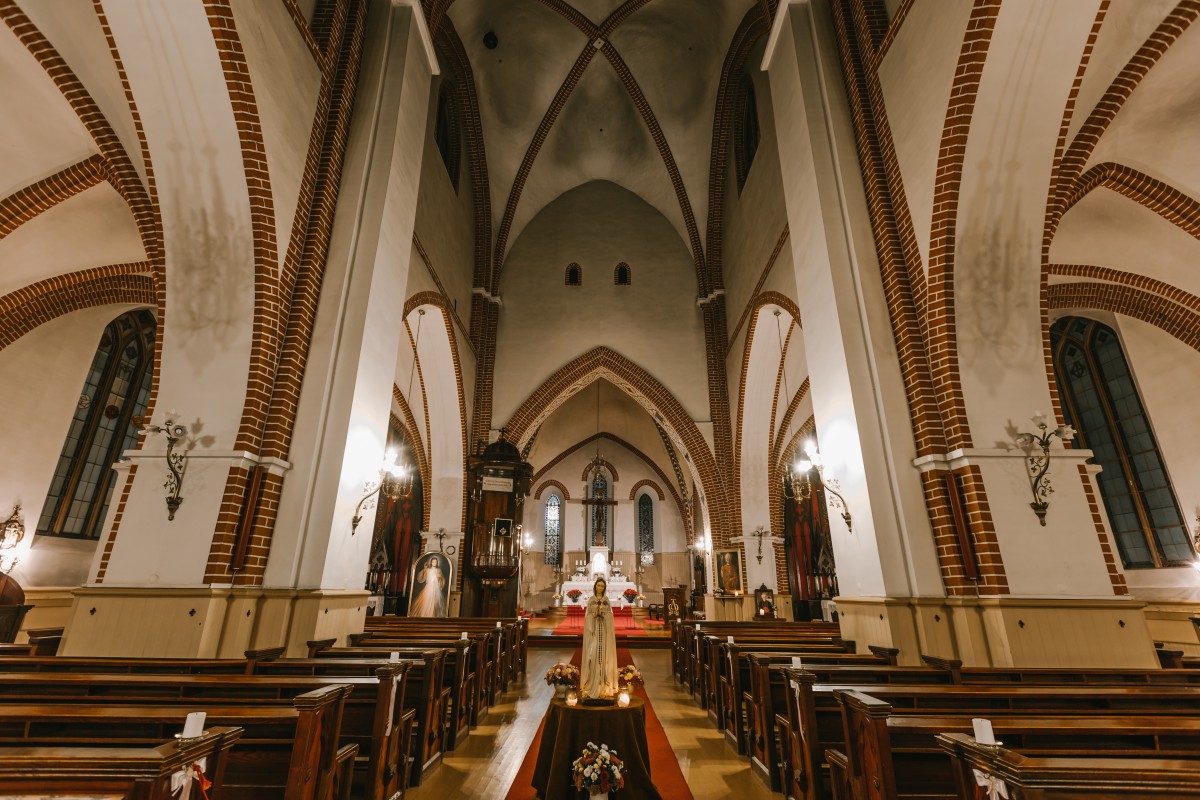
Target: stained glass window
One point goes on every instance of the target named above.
(645, 524)
(553, 529)
(1101, 401)
(115, 390)
(599, 515)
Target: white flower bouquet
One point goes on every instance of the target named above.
(562, 675)
(598, 770)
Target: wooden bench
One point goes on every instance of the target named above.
(491, 661)
(285, 752)
(816, 719)
(1068, 778)
(137, 773)
(888, 757)
(373, 714)
(513, 649)
(427, 697)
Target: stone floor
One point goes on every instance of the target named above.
(485, 764)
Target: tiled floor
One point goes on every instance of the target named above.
(485, 764)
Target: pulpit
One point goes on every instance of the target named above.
(673, 603)
(499, 480)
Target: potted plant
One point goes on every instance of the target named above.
(562, 677)
(629, 675)
(630, 595)
(574, 595)
(598, 771)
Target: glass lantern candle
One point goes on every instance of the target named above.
(572, 697)
(623, 698)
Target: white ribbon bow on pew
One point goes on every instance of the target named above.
(996, 787)
(181, 781)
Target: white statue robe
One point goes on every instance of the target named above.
(598, 669)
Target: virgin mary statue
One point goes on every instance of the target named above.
(598, 670)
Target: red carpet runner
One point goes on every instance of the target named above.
(668, 777)
(623, 623)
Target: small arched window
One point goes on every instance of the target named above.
(445, 131)
(553, 529)
(115, 391)
(574, 274)
(1101, 401)
(599, 515)
(645, 524)
(746, 133)
(622, 276)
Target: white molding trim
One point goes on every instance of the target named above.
(423, 32)
(964, 457)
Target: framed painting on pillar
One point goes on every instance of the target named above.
(432, 580)
(729, 571)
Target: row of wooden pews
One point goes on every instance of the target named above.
(847, 725)
(362, 722)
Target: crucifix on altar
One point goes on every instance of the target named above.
(598, 551)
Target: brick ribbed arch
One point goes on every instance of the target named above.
(1174, 206)
(28, 307)
(603, 362)
(1175, 319)
(646, 482)
(29, 201)
(566, 495)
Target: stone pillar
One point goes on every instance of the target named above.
(154, 600)
(759, 573)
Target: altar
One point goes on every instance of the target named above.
(597, 567)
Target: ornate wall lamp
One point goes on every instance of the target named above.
(796, 482)
(395, 481)
(176, 461)
(1038, 465)
(10, 536)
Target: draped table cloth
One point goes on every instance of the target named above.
(568, 729)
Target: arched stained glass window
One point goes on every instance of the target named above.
(1101, 401)
(746, 133)
(553, 524)
(116, 390)
(574, 274)
(599, 515)
(645, 524)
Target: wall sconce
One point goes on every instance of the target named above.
(176, 462)
(395, 481)
(1039, 465)
(11, 536)
(797, 484)
(759, 533)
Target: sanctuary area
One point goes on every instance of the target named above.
(518, 399)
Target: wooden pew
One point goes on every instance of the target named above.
(513, 649)
(285, 752)
(136, 773)
(887, 757)
(428, 698)
(1047, 778)
(372, 715)
(468, 672)
(490, 660)
(683, 633)
(816, 720)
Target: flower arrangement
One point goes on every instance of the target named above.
(598, 770)
(629, 675)
(562, 675)
(575, 594)
(630, 594)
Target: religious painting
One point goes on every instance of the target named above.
(729, 571)
(502, 527)
(432, 579)
(764, 602)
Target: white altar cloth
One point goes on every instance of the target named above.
(615, 589)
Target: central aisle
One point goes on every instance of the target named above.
(485, 765)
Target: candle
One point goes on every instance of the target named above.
(194, 726)
(393, 657)
(983, 731)
(572, 698)
(796, 663)
(464, 635)
(623, 699)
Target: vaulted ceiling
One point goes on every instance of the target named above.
(571, 92)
